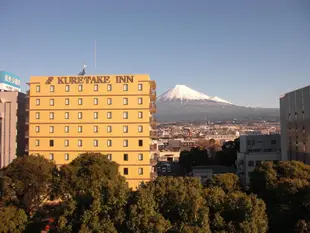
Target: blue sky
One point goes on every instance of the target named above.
(246, 51)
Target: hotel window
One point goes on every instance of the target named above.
(140, 128)
(109, 128)
(125, 143)
(109, 143)
(52, 88)
(66, 115)
(125, 101)
(125, 171)
(51, 143)
(125, 129)
(80, 143)
(139, 87)
(109, 156)
(80, 101)
(125, 115)
(37, 129)
(80, 87)
(51, 115)
(66, 143)
(109, 87)
(125, 157)
(95, 129)
(67, 88)
(109, 101)
(125, 87)
(38, 88)
(66, 129)
(109, 115)
(37, 115)
(140, 101)
(67, 102)
(140, 171)
(37, 102)
(66, 156)
(51, 102)
(140, 157)
(95, 101)
(51, 129)
(140, 115)
(80, 129)
(96, 87)
(51, 156)
(95, 115)
(80, 115)
(37, 142)
(95, 143)
(140, 142)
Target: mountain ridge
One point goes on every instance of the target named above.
(182, 103)
(184, 93)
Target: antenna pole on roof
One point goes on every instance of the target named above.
(95, 55)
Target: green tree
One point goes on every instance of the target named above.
(95, 195)
(285, 189)
(228, 182)
(12, 220)
(180, 201)
(235, 212)
(143, 214)
(27, 182)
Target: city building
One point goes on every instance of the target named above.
(12, 118)
(295, 125)
(110, 114)
(255, 149)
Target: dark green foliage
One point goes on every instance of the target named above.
(235, 212)
(12, 220)
(285, 189)
(228, 182)
(180, 201)
(26, 182)
(143, 216)
(94, 193)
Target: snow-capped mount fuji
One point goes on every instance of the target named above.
(182, 103)
(185, 94)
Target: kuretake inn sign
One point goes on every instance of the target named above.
(9, 82)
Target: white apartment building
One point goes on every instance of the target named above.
(255, 149)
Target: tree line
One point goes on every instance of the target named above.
(89, 195)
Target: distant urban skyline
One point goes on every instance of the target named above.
(246, 52)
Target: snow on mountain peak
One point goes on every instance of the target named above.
(184, 93)
(218, 99)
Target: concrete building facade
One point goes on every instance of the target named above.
(110, 114)
(12, 126)
(295, 125)
(255, 149)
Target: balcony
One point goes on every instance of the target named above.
(153, 134)
(153, 162)
(152, 95)
(27, 106)
(27, 133)
(153, 175)
(27, 120)
(26, 147)
(27, 94)
(153, 85)
(152, 108)
(153, 122)
(153, 148)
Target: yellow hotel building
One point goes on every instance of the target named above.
(110, 114)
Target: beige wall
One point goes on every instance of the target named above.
(9, 104)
